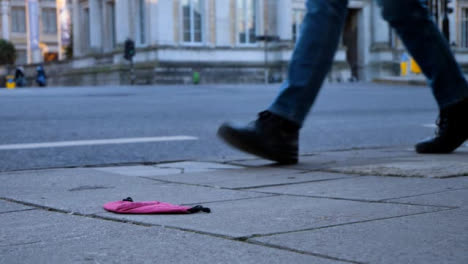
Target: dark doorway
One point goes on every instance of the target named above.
(351, 41)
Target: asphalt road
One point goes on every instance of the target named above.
(345, 116)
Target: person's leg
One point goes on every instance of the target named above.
(275, 134)
(312, 58)
(422, 38)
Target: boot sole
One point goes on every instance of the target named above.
(423, 148)
(229, 136)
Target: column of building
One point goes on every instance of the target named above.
(5, 11)
(77, 50)
(161, 22)
(223, 23)
(121, 16)
(284, 20)
(96, 22)
(453, 21)
(33, 31)
(380, 29)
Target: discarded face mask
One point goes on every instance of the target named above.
(128, 206)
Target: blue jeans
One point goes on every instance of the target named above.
(320, 34)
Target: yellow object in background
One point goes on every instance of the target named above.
(415, 67)
(404, 68)
(10, 82)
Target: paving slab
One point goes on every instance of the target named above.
(420, 168)
(386, 161)
(250, 177)
(59, 179)
(276, 214)
(373, 188)
(6, 207)
(456, 198)
(167, 168)
(333, 159)
(46, 237)
(330, 159)
(197, 166)
(427, 238)
(85, 191)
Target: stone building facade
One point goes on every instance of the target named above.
(14, 27)
(219, 40)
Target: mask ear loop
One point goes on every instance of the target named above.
(128, 199)
(199, 208)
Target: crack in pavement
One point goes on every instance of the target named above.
(429, 193)
(16, 211)
(21, 244)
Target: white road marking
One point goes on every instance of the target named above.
(95, 142)
(430, 125)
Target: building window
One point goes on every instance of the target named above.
(18, 20)
(298, 17)
(49, 21)
(141, 24)
(246, 21)
(464, 28)
(192, 21)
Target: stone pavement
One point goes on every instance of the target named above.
(382, 205)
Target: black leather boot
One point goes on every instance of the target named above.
(452, 132)
(270, 136)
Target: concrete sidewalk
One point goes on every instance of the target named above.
(418, 80)
(351, 206)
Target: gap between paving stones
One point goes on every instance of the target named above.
(233, 200)
(343, 224)
(390, 174)
(16, 211)
(293, 183)
(22, 244)
(363, 200)
(242, 239)
(247, 188)
(91, 166)
(184, 183)
(253, 242)
(417, 195)
(252, 189)
(138, 223)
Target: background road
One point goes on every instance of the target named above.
(345, 116)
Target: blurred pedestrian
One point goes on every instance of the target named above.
(275, 133)
(41, 77)
(20, 77)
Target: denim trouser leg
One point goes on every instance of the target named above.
(429, 48)
(311, 59)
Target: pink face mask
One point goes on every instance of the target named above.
(128, 206)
